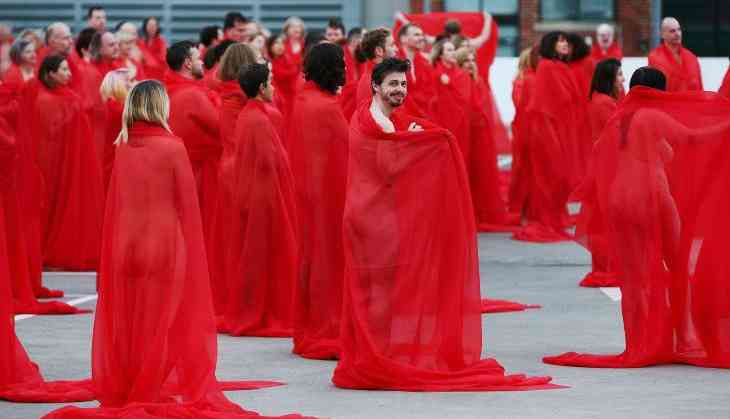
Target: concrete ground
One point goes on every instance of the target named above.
(572, 318)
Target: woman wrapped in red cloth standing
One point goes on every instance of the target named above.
(23, 67)
(154, 49)
(113, 91)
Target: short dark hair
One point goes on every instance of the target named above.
(356, 31)
(83, 41)
(604, 78)
(336, 23)
(325, 66)
(311, 39)
(270, 43)
(649, 77)
(251, 77)
(232, 18)
(93, 8)
(387, 67)
(372, 40)
(178, 53)
(209, 34)
(49, 65)
(452, 27)
(548, 42)
(579, 46)
(213, 55)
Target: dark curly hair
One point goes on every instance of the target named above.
(604, 78)
(547, 45)
(325, 66)
(579, 46)
(213, 55)
(387, 67)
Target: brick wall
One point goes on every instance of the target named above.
(634, 16)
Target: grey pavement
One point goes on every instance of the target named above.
(572, 318)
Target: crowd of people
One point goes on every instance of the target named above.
(329, 187)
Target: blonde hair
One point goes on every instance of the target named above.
(125, 36)
(291, 21)
(438, 50)
(236, 57)
(147, 101)
(462, 54)
(114, 85)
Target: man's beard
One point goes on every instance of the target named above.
(197, 75)
(396, 100)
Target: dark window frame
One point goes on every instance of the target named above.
(579, 15)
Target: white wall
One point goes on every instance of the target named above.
(504, 69)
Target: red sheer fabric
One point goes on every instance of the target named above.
(591, 230)
(724, 89)
(13, 78)
(683, 75)
(402, 262)
(194, 118)
(318, 148)
(59, 134)
(154, 54)
(549, 150)
(348, 96)
(613, 51)
(259, 213)
(522, 90)
(503, 306)
(661, 182)
(113, 125)
(154, 345)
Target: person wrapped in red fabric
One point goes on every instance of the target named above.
(665, 225)
(582, 67)
(591, 229)
(104, 53)
(154, 349)
(286, 73)
(317, 147)
(24, 62)
(402, 261)
(262, 255)
(16, 246)
(233, 100)
(154, 49)
(20, 378)
(679, 65)
(194, 117)
(60, 42)
(353, 68)
(295, 33)
(523, 87)
(376, 45)
(551, 141)
(605, 45)
(113, 91)
(130, 55)
(96, 18)
(60, 135)
(412, 44)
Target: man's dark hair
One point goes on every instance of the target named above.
(49, 65)
(93, 8)
(325, 66)
(372, 40)
(209, 34)
(387, 67)
(452, 27)
(311, 39)
(356, 31)
(579, 47)
(213, 55)
(649, 77)
(83, 41)
(178, 53)
(336, 23)
(604, 78)
(232, 18)
(547, 45)
(251, 77)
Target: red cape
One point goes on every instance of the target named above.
(261, 256)
(154, 53)
(522, 91)
(318, 146)
(681, 77)
(661, 181)
(396, 333)
(613, 51)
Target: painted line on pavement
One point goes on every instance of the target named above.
(74, 302)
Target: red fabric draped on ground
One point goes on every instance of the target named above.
(503, 306)
(411, 313)
(318, 148)
(681, 76)
(548, 148)
(662, 182)
(58, 130)
(259, 214)
(154, 346)
(591, 230)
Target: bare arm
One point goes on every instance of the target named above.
(483, 37)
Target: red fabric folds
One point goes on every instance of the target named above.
(260, 249)
(58, 132)
(661, 182)
(411, 314)
(113, 126)
(522, 89)
(613, 51)
(682, 76)
(318, 146)
(154, 53)
(503, 306)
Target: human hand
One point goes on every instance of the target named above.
(414, 127)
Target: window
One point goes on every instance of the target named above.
(504, 13)
(592, 10)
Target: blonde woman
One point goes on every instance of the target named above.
(129, 54)
(294, 31)
(154, 344)
(113, 90)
